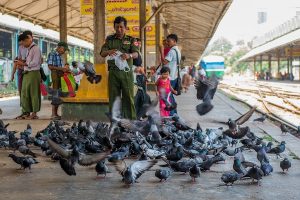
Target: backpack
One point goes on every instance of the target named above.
(138, 61)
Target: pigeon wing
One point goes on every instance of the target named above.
(139, 167)
(201, 88)
(120, 166)
(58, 149)
(86, 160)
(242, 119)
(67, 166)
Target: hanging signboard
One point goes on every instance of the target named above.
(128, 9)
(86, 7)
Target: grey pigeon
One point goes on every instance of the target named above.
(132, 172)
(70, 157)
(232, 152)
(90, 72)
(163, 174)
(262, 154)
(285, 164)
(180, 166)
(101, 168)
(238, 167)
(194, 172)
(238, 134)
(279, 149)
(230, 177)
(284, 129)
(255, 173)
(266, 168)
(25, 162)
(26, 151)
(260, 119)
(206, 89)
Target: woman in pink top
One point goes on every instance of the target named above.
(164, 89)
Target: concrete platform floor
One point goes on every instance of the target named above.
(48, 181)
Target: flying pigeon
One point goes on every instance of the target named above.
(90, 72)
(132, 172)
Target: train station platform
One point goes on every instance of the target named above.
(48, 181)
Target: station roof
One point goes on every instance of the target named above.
(194, 21)
(271, 48)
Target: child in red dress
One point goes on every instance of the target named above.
(164, 90)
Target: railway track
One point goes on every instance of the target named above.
(270, 108)
(254, 90)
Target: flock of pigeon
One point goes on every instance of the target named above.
(169, 140)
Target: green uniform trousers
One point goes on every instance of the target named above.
(31, 92)
(120, 83)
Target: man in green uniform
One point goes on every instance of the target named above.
(120, 81)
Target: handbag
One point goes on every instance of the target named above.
(68, 84)
(138, 61)
(43, 75)
(178, 86)
(43, 89)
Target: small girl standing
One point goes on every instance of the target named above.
(164, 90)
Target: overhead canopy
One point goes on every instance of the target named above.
(46, 14)
(283, 42)
(194, 21)
(275, 46)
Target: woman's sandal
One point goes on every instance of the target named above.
(23, 116)
(32, 117)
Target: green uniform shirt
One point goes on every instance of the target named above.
(127, 44)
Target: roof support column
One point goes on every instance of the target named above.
(269, 66)
(99, 30)
(254, 67)
(142, 13)
(278, 64)
(157, 38)
(165, 27)
(63, 23)
(290, 69)
(260, 65)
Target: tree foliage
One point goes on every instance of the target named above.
(220, 46)
(223, 47)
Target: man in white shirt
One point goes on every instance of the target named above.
(201, 72)
(172, 61)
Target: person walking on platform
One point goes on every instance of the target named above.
(30, 93)
(172, 60)
(201, 72)
(164, 91)
(56, 65)
(22, 51)
(120, 47)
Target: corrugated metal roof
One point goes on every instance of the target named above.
(194, 23)
(280, 42)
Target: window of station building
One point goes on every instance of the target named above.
(36, 41)
(91, 56)
(52, 46)
(5, 45)
(82, 55)
(76, 55)
(70, 55)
